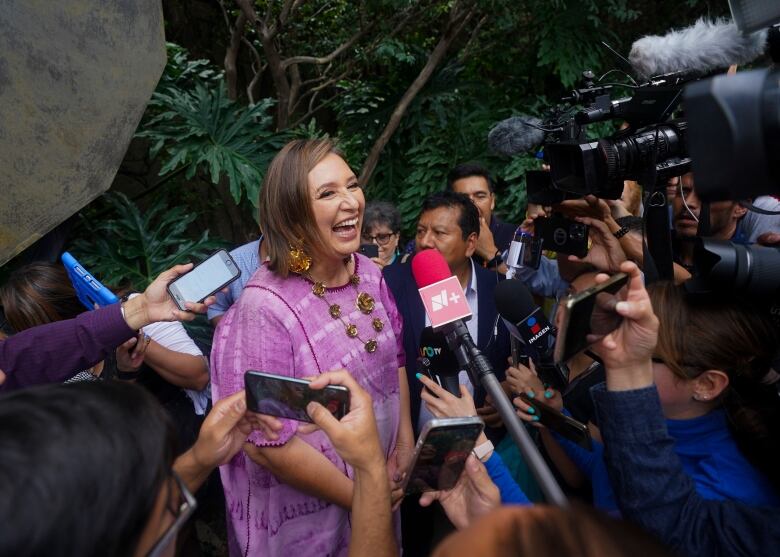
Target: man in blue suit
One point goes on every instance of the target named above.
(449, 222)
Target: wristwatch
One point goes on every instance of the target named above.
(496, 261)
(622, 232)
(482, 451)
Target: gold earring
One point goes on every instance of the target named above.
(300, 261)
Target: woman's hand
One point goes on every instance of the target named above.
(524, 380)
(627, 351)
(379, 262)
(473, 496)
(444, 404)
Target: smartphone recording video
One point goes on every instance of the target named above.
(441, 453)
(589, 316)
(287, 397)
(204, 279)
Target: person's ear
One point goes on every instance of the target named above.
(739, 211)
(471, 244)
(492, 202)
(710, 385)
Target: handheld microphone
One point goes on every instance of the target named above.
(699, 49)
(434, 279)
(516, 135)
(441, 365)
(527, 323)
(440, 291)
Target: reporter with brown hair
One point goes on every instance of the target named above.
(650, 485)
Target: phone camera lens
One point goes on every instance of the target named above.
(560, 236)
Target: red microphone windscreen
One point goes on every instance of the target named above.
(428, 267)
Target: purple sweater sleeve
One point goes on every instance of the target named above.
(56, 351)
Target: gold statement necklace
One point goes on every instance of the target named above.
(364, 302)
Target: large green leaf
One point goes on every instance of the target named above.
(130, 246)
(191, 123)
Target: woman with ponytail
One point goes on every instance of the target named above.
(712, 369)
(710, 366)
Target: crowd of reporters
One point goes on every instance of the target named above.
(680, 399)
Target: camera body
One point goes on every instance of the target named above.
(650, 150)
(563, 235)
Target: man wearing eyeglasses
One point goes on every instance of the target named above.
(495, 236)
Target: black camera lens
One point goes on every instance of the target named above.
(750, 269)
(734, 134)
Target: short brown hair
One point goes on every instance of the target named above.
(716, 332)
(39, 293)
(286, 215)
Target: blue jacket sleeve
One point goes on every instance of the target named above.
(653, 491)
(545, 281)
(511, 494)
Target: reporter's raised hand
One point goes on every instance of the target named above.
(355, 436)
(473, 496)
(443, 404)
(605, 253)
(524, 380)
(627, 351)
(155, 304)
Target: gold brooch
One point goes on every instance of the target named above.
(351, 330)
(335, 311)
(378, 325)
(370, 346)
(365, 303)
(319, 289)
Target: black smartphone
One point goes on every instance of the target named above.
(207, 277)
(589, 316)
(559, 422)
(563, 235)
(369, 250)
(441, 453)
(287, 397)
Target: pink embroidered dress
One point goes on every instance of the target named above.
(280, 326)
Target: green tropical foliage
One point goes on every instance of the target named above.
(513, 57)
(129, 247)
(202, 129)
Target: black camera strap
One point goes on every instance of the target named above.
(658, 258)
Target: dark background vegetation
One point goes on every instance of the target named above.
(409, 88)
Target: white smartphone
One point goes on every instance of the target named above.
(441, 453)
(207, 277)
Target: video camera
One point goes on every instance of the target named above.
(650, 149)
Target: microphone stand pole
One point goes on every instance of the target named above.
(471, 358)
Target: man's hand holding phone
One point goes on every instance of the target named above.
(473, 496)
